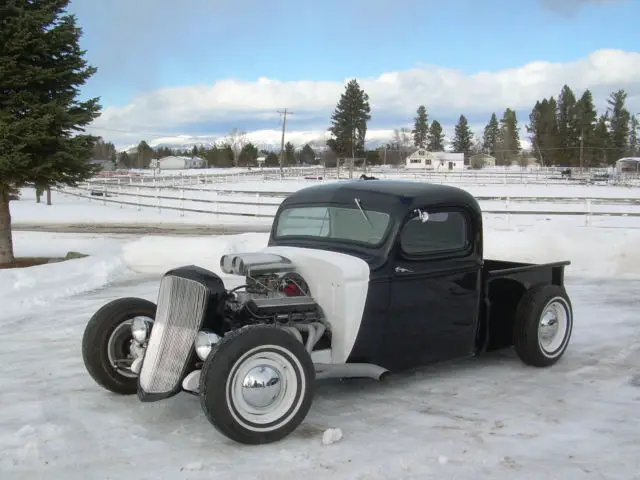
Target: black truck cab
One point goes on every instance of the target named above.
(432, 294)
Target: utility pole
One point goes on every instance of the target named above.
(284, 127)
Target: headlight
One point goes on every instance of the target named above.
(204, 343)
(140, 328)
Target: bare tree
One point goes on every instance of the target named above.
(236, 140)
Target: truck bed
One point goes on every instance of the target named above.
(504, 284)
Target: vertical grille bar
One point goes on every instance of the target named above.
(181, 304)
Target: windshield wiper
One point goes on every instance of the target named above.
(364, 214)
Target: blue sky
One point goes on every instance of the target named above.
(144, 45)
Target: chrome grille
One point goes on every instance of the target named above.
(181, 304)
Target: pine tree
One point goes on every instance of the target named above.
(619, 121)
(491, 135)
(544, 129)
(634, 145)
(587, 118)
(349, 122)
(307, 155)
(568, 131)
(248, 155)
(420, 130)
(144, 155)
(436, 137)
(508, 145)
(289, 154)
(463, 139)
(41, 119)
(601, 141)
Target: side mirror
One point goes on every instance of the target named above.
(425, 216)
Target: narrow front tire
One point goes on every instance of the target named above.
(108, 347)
(257, 384)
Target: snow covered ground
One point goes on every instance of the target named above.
(489, 417)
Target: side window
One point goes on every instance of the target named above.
(436, 232)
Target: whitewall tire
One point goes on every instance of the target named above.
(257, 384)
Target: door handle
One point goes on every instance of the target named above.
(402, 270)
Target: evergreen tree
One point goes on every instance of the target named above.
(508, 145)
(587, 118)
(349, 122)
(41, 119)
(144, 155)
(544, 129)
(248, 155)
(271, 160)
(420, 130)
(289, 154)
(436, 137)
(124, 161)
(463, 139)
(634, 145)
(601, 141)
(568, 131)
(619, 121)
(307, 155)
(491, 135)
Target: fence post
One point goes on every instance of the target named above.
(158, 199)
(587, 218)
(257, 204)
(182, 202)
(506, 204)
(138, 197)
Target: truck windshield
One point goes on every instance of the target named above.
(331, 222)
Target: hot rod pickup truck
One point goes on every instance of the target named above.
(358, 279)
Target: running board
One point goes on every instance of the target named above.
(349, 370)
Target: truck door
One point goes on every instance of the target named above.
(435, 289)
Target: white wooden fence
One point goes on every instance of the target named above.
(260, 204)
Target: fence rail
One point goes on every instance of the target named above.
(587, 213)
(275, 197)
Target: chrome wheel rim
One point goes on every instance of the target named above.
(553, 326)
(265, 388)
(122, 349)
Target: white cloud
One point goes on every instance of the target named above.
(571, 6)
(446, 92)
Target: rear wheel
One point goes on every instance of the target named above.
(543, 325)
(257, 384)
(108, 346)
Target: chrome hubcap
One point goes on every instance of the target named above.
(553, 326)
(261, 386)
(548, 327)
(122, 349)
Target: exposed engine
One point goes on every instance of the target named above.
(273, 293)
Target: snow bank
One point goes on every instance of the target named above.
(38, 286)
(157, 254)
(593, 252)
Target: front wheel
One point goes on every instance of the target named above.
(257, 384)
(108, 346)
(543, 325)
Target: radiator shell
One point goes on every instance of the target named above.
(187, 298)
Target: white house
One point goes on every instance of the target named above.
(180, 163)
(439, 161)
(628, 165)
